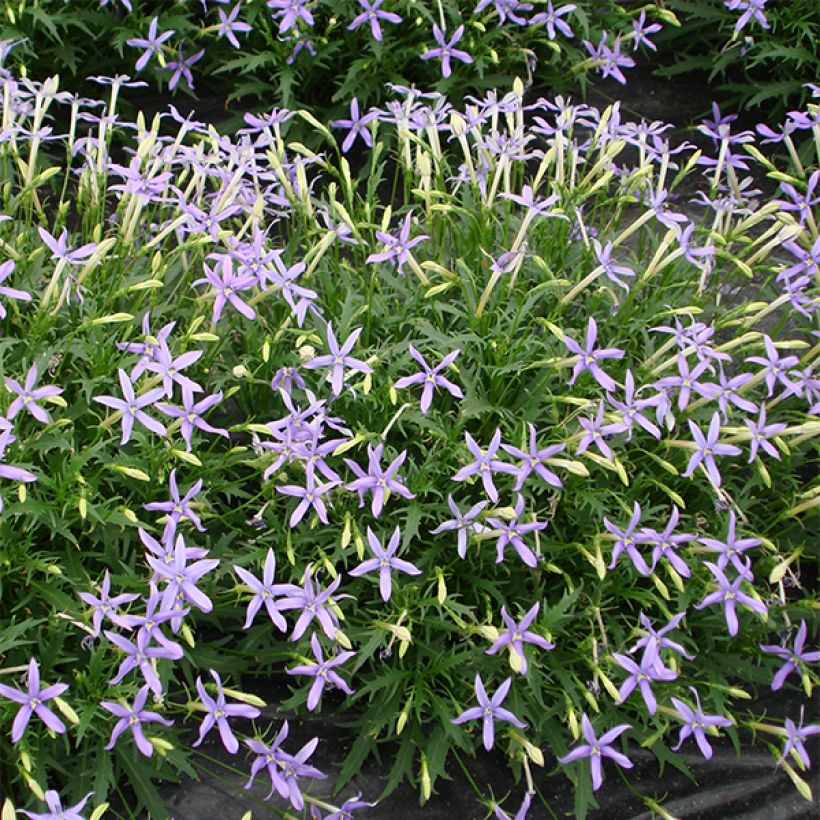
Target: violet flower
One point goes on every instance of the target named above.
(516, 635)
(140, 655)
(396, 248)
(373, 14)
(339, 358)
(463, 524)
(707, 448)
(384, 561)
(446, 50)
(613, 272)
(642, 675)
(665, 544)
(60, 250)
(131, 407)
(687, 381)
(534, 461)
(33, 701)
(642, 32)
(658, 639)
(609, 61)
(521, 814)
(596, 749)
(551, 18)
(226, 284)
(28, 396)
(695, 722)
(378, 481)
(177, 508)
(595, 432)
(794, 657)
(796, 736)
(290, 12)
(152, 43)
(485, 465)
(627, 541)
(218, 713)
(750, 9)
(761, 433)
(229, 25)
(430, 378)
(56, 810)
(182, 578)
(310, 495)
(191, 414)
(732, 547)
(105, 606)
(170, 368)
(132, 717)
(729, 594)
(315, 603)
(356, 125)
(633, 408)
(489, 710)
(511, 532)
(775, 366)
(322, 673)
(10, 293)
(265, 592)
(294, 767)
(590, 356)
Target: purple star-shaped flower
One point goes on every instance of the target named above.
(28, 395)
(516, 635)
(511, 532)
(56, 810)
(431, 378)
(372, 14)
(533, 461)
(177, 508)
(310, 495)
(191, 414)
(729, 594)
(590, 356)
(322, 673)
(226, 285)
(642, 675)
(339, 358)
(463, 524)
(596, 749)
(446, 50)
(485, 465)
(10, 293)
(665, 544)
(385, 560)
(378, 481)
(732, 548)
(33, 703)
(595, 432)
(707, 448)
(489, 710)
(796, 736)
(396, 248)
(131, 407)
(132, 717)
(152, 43)
(627, 541)
(105, 606)
(218, 713)
(356, 126)
(695, 722)
(140, 655)
(761, 433)
(265, 592)
(794, 657)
